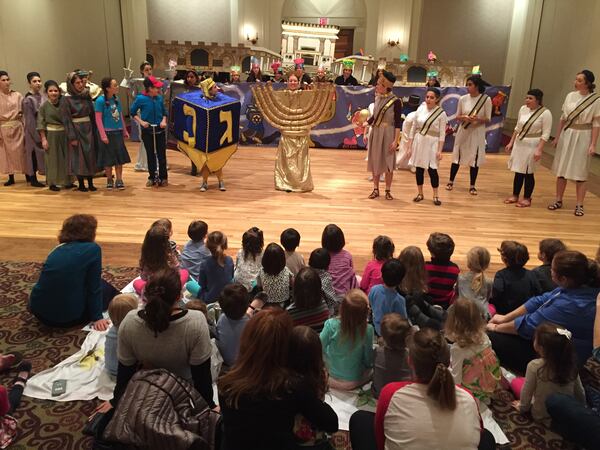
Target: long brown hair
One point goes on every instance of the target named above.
(216, 243)
(429, 356)
(478, 260)
(558, 352)
(415, 278)
(306, 358)
(162, 292)
(261, 368)
(155, 250)
(465, 324)
(354, 311)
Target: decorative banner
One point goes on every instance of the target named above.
(343, 127)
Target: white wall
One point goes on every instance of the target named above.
(569, 41)
(468, 30)
(50, 37)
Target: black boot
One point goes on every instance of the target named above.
(11, 180)
(91, 186)
(81, 187)
(33, 181)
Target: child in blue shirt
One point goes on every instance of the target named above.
(234, 302)
(384, 298)
(149, 111)
(195, 252)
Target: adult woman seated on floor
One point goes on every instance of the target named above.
(70, 290)
(572, 305)
(163, 336)
(260, 396)
(430, 412)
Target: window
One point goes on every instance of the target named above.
(199, 57)
(416, 74)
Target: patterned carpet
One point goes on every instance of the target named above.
(47, 425)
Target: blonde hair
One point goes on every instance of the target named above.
(119, 306)
(465, 324)
(354, 312)
(478, 260)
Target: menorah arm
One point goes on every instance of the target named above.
(296, 113)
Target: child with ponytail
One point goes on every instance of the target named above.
(555, 371)
(474, 285)
(217, 271)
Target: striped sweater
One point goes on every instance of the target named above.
(441, 279)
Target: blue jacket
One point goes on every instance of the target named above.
(151, 109)
(574, 309)
(69, 290)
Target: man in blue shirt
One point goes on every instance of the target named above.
(148, 110)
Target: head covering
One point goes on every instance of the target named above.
(254, 61)
(388, 79)
(381, 66)
(276, 67)
(432, 74)
(206, 85)
(235, 70)
(403, 57)
(71, 89)
(155, 81)
(299, 63)
(476, 70)
(348, 63)
(84, 73)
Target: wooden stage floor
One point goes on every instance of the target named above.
(30, 218)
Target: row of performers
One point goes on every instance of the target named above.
(419, 140)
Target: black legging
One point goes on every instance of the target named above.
(433, 176)
(529, 180)
(473, 172)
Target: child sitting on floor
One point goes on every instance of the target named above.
(319, 260)
(174, 256)
(118, 308)
(514, 284)
(391, 362)
(274, 278)
(341, 266)
(348, 343)
(554, 372)
(547, 249)
(290, 240)
(474, 285)
(217, 271)
(383, 249)
(234, 303)
(249, 257)
(474, 363)
(384, 298)
(195, 252)
(441, 272)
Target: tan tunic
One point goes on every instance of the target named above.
(12, 133)
(380, 159)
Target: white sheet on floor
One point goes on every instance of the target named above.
(345, 404)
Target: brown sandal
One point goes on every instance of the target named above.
(510, 200)
(374, 194)
(388, 196)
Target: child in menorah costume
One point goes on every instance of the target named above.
(294, 112)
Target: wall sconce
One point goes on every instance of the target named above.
(253, 40)
(393, 43)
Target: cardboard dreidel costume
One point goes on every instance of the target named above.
(207, 128)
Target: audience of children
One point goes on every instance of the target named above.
(217, 271)
(391, 362)
(414, 289)
(547, 249)
(514, 284)
(309, 307)
(341, 267)
(474, 285)
(290, 241)
(274, 278)
(474, 364)
(555, 371)
(234, 303)
(441, 272)
(383, 249)
(384, 298)
(117, 310)
(348, 343)
(194, 252)
(319, 260)
(248, 261)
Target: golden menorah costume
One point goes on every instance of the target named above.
(294, 113)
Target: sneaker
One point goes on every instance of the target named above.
(222, 186)
(109, 184)
(120, 185)
(204, 187)
(149, 183)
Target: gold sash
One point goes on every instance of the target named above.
(529, 123)
(480, 102)
(581, 107)
(80, 119)
(10, 123)
(379, 118)
(53, 127)
(432, 118)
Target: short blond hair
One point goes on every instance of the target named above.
(120, 305)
